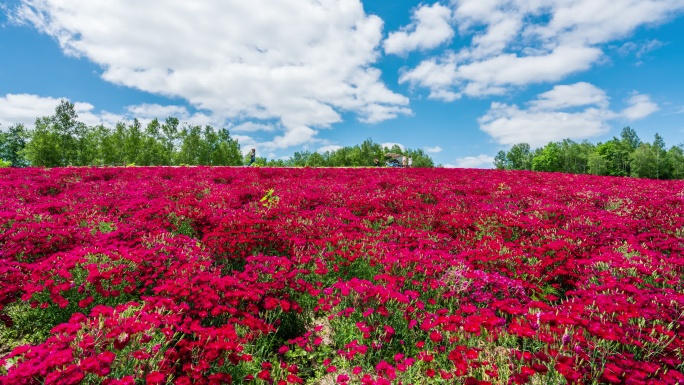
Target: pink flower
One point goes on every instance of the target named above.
(155, 378)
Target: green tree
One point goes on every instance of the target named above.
(43, 148)
(663, 167)
(57, 140)
(133, 142)
(575, 156)
(644, 162)
(228, 152)
(276, 163)
(191, 145)
(675, 157)
(114, 146)
(153, 151)
(615, 159)
(170, 134)
(12, 145)
(597, 164)
(548, 158)
(630, 139)
(299, 159)
(69, 132)
(94, 148)
(501, 161)
(420, 158)
(520, 157)
(340, 157)
(315, 160)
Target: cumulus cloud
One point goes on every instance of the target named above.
(299, 62)
(145, 113)
(25, 108)
(252, 127)
(433, 150)
(640, 106)
(514, 43)
(576, 111)
(480, 161)
(293, 136)
(392, 144)
(330, 147)
(573, 95)
(509, 125)
(428, 29)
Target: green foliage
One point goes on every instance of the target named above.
(624, 156)
(614, 159)
(644, 162)
(269, 200)
(518, 158)
(547, 158)
(12, 145)
(676, 156)
(61, 140)
(362, 155)
(33, 319)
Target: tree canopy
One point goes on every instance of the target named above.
(624, 156)
(62, 140)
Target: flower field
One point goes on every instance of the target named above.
(339, 276)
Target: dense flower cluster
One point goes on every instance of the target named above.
(363, 276)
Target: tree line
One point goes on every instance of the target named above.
(62, 140)
(362, 155)
(623, 156)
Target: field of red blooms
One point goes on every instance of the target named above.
(347, 276)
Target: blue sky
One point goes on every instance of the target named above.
(460, 79)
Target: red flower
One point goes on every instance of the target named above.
(155, 378)
(85, 302)
(435, 336)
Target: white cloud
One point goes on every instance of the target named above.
(576, 111)
(392, 144)
(480, 161)
(300, 62)
(514, 43)
(25, 108)
(574, 95)
(246, 142)
(158, 111)
(293, 136)
(510, 125)
(145, 113)
(494, 75)
(640, 48)
(252, 127)
(330, 147)
(433, 150)
(438, 76)
(429, 28)
(640, 106)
